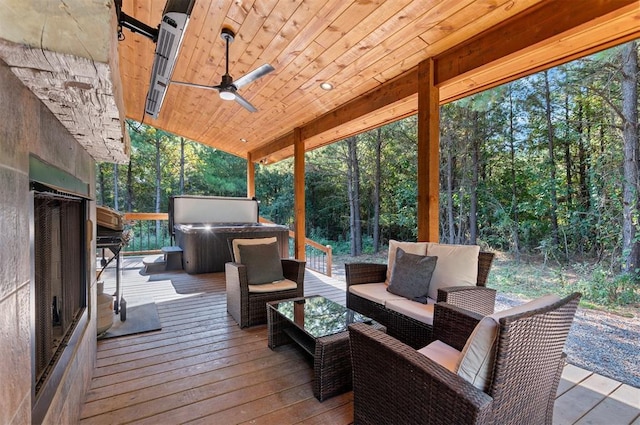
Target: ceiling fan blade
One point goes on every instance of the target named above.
(244, 102)
(200, 86)
(253, 75)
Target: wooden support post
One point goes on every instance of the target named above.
(251, 177)
(428, 153)
(298, 190)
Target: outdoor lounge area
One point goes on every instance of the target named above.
(264, 81)
(202, 368)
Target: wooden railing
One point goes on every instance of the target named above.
(150, 232)
(318, 257)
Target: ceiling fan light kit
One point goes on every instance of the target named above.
(227, 95)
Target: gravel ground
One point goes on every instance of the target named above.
(604, 343)
(601, 342)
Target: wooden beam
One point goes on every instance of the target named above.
(280, 143)
(251, 177)
(384, 95)
(298, 190)
(428, 153)
(547, 20)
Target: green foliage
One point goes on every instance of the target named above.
(497, 176)
(605, 288)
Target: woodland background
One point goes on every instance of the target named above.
(543, 169)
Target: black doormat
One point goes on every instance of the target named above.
(141, 317)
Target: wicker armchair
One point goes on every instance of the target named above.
(249, 308)
(478, 299)
(399, 385)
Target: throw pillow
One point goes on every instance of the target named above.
(419, 248)
(235, 243)
(457, 266)
(411, 274)
(262, 262)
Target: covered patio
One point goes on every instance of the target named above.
(202, 368)
(68, 85)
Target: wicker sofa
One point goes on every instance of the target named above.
(416, 330)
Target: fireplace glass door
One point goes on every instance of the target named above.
(60, 283)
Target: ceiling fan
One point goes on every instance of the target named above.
(228, 88)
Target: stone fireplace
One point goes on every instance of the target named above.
(36, 147)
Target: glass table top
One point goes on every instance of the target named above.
(318, 316)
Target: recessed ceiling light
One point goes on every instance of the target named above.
(326, 86)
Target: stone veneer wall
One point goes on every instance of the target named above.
(28, 127)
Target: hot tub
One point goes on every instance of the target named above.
(203, 227)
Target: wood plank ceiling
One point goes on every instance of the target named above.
(368, 50)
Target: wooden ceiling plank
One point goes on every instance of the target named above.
(361, 43)
(343, 28)
(465, 21)
(242, 62)
(548, 19)
(398, 29)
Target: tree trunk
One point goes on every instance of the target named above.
(552, 164)
(450, 218)
(567, 155)
(101, 183)
(116, 205)
(182, 166)
(376, 193)
(353, 190)
(585, 201)
(514, 186)
(158, 142)
(473, 192)
(630, 245)
(129, 199)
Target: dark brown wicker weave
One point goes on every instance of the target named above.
(394, 384)
(415, 333)
(248, 308)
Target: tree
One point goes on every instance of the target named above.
(353, 191)
(631, 184)
(553, 210)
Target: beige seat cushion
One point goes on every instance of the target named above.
(413, 309)
(280, 285)
(255, 241)
(457, 266)
(443, 354)
(476, 359)
(418, 248)
(376, 292)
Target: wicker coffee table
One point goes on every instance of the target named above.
(319, 326)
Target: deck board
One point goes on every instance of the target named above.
(201, 368)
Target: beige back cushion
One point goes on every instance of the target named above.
(418, 248)
(255, 241)
(477, 356)
(457, 266)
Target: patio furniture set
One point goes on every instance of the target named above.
(418, 342)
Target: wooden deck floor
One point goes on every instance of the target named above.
(201, 368)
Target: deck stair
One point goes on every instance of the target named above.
(170, 259)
